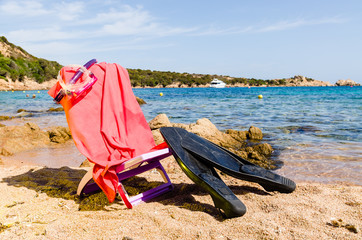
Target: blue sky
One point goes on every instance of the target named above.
(245, 38)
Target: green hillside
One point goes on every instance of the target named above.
(142, 78)
(17, 63)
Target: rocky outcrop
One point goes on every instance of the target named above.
(59, 134)
(58, 109)
(255, 133)
(159, 121)
(14, 139)
(27, 84)
(243, 143)
(10, 50)
(347, 82)
(140, 101)
(301, 81)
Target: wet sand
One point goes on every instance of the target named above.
(33, 206)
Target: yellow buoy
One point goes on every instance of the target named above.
(161, 94)
(23, 91)
(38, 91)
(260, 96)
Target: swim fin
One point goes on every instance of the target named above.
(203, 175)
(231, 164)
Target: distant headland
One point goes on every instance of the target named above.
(20, 70)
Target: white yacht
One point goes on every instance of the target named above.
(216, 83)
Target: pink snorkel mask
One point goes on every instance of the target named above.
(74, 88)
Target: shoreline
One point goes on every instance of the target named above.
(34, 139)
(28, 85)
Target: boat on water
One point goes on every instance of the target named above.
(216, 83)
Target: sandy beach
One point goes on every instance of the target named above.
(40, 203)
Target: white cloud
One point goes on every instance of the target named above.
(73, 20)
(70, 11)
(113, 18)
(24, 8)
(284, 25)
(137, 27)
(64, 11)
(223, 31)
(129, 20)
(40, 35)
(279, 26)
(76, 21)
(126, 12)
(132, 21)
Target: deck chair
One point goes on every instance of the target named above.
(130, 168)
(109, 128)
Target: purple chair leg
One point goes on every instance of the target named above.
(147, 164)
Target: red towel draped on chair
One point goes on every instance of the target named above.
(107, 123)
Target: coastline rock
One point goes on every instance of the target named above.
(255, 133)
(86, 164)
(238, 135)
(59, 134)
(347, 82)
(58, 109)
(9, 50)
(140, 101)
(233, 140)
(299, 81)
(206, 129)
(14, 139)
(5, 118)
(26, 84)
(264, 149)
(157, 136)
(175, 84)
(32, 126)
(181, 125)
(159, 121)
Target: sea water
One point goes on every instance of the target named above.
(315, 131)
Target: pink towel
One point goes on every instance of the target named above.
(107, 123)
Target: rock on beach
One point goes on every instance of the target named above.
(347, 82)
(14, 139)
(238, 142)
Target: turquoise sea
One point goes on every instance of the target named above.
(315, 131)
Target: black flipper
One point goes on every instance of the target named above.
(203, 175)
(233, 165)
